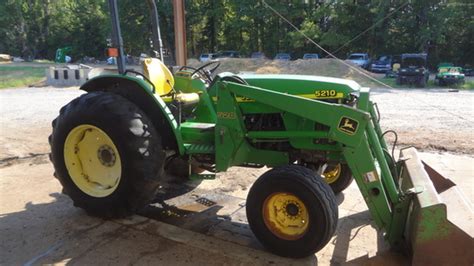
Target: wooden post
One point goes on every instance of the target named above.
(179, 32)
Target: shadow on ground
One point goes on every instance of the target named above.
(56, 232)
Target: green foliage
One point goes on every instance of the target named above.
(469, 85)
(443, 29)
(20, 76)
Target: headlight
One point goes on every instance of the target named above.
(403, 70)
(387, 65)
(373, 65)
(417, 70)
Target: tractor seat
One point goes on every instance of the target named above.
(163, 81)
(159, 75)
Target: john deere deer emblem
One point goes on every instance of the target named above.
(348, 125)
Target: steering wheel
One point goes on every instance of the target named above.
(186, 67)
(206, 74)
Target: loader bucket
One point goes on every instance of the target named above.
(439, 229)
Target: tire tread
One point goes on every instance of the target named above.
(147, 165)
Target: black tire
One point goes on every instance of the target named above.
(317, 197)
(344, 179)
(398, 80)
(138, 145)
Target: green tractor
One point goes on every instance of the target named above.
(448, 74)
(61, 54)
(112, 146)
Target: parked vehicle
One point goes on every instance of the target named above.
(257, 55)
(360, 59)
(468, 70)
(227, 54)
(382, 64)
(282, 57)
(448, 74)
(206, 57)
(310, 56)
(413, 70)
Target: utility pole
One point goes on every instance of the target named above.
(179, 32)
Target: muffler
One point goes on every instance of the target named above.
(440, 224)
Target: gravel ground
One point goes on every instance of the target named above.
(430, 119)
(25, 123)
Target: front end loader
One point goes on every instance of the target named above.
(112, 146)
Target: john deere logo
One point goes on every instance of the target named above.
(348, 125)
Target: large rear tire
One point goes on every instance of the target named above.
(291, 211)
(106, 154)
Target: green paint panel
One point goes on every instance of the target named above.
(197, 133)
(302, 84)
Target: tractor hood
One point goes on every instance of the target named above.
(449, 71)
(322, 87)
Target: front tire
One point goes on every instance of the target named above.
(106, 154)
(338, 176)
(291, 211)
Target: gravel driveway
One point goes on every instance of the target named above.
(429, 119)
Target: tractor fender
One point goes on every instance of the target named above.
(141, 94)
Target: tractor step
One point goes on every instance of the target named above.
(199, 126)
(199, 148)
(195, 132)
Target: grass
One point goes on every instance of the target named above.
(43, 61)
(20, 76)
(469, 85)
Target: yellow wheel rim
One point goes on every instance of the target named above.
(332, 174)
(92, 161)
(285, 215)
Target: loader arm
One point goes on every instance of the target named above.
(349, 126)
(407, 205)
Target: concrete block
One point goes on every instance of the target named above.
(66, 76)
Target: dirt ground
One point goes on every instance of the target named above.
(39, 225)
